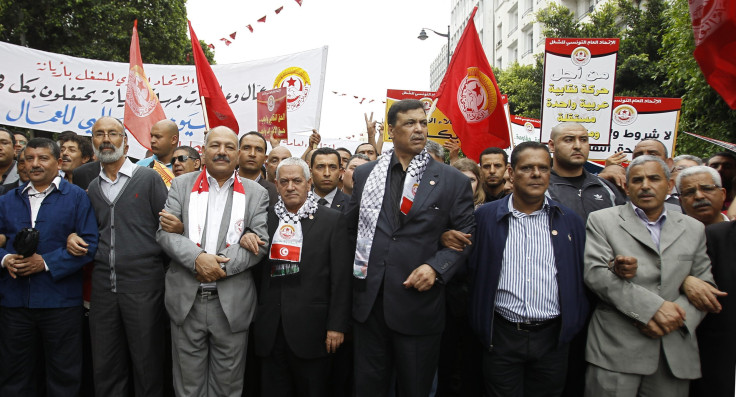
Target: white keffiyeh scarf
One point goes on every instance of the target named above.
(372, 200)
(286, 244)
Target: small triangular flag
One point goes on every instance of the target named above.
(299, 2)
(250, 28)
(211, 46)
(232, 35)
(278, 10)
(262, 19)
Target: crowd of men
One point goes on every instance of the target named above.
(244, 271)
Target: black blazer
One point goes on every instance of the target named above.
(86, 173)
(313, 301)
(716, 332)
(340, 201)
(444, 200)
(273, 194)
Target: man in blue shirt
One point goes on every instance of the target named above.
(528, 299)
(41, 294)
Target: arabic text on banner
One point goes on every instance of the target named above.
(635, 119)
(439, 126)
(579, 76)
(54, 92)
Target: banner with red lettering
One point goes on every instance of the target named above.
(439, 127)
(272, 113)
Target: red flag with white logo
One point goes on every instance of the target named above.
(218, 110)
(469, 97)
(714, 29)
(142, 108)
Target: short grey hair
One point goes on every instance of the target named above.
(690, 157)
(435, 148)
(294, 161)
(645, 159)
(698, 169)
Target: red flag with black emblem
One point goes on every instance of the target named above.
(714, 28)
(142, 108)
(469, 97)
(218, 112)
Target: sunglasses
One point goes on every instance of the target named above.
(182, 158)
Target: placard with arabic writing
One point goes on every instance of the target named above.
(635, 119)
(579, 76)
(272, 113)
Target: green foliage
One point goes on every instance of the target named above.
(523, 85)
(654, 60)
(704, 112)
(100, 29)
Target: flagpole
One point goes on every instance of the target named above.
(204, 112)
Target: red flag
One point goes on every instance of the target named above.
(278, 10)
(232, 35)
(469, 97)
(227, 42)
(250, 28)
(714, 28)
(142, 108)
(262, 19)
(211, 46)
(299, 2)
(218, 110)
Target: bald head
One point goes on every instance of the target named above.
(274, 158)
(164, 140)
(566, 126)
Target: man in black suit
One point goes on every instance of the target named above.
(304, 296)
(326, 172)
(400, 206)
(715, 334)
(251, 159)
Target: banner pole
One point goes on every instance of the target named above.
(204, 112)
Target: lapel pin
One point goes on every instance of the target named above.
(431, 183)
(569, 237)
(554, 232)
(311, 216)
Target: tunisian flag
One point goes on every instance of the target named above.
(714, 28)
(218, 110)
(142, 108)
(469, 97)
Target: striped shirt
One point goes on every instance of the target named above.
(527, 288)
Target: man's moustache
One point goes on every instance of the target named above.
(702, 203)
(221, 157)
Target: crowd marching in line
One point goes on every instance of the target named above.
(244, 271)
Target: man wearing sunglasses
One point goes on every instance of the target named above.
(186, 159)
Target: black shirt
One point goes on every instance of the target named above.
(396, 177)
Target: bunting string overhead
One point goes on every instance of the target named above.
(360, 99)
(230, 38)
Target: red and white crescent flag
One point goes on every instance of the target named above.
(285, 252)
(469, 97)
(714, 28)
(142, 108)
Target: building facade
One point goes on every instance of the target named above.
(508, 30)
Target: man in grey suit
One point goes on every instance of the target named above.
(641, 339)
(210, 295)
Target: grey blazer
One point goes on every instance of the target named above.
(614, 342)
(236, 291)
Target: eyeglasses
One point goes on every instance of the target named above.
(111, 135)
(182, 158)
(706, 189)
